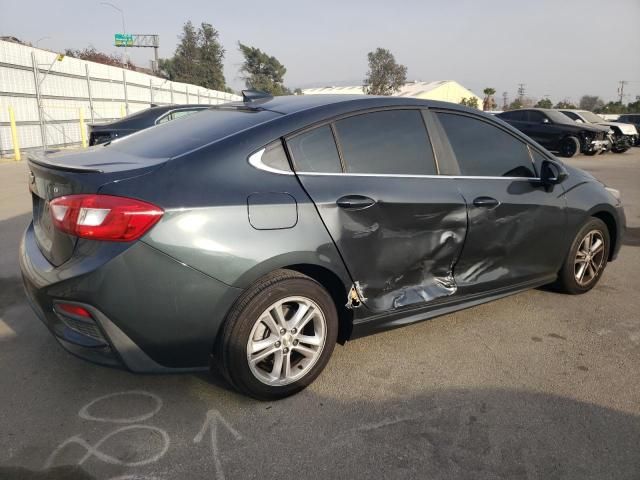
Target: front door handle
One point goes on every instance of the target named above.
(355, 202)
(486, 202)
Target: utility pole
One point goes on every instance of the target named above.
(505, 100)
(124, 31)
(621, 89)
(521, 91)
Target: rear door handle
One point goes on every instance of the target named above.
(355, 202)
(486, 202)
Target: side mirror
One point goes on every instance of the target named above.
(552, 173)
(545, 120)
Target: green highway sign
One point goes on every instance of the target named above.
(123, 39)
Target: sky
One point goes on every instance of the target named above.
(561, 48)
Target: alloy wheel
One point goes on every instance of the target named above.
(286, 341)
(589, 258)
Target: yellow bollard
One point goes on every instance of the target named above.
(123, 112)
(14, 134)
(83, 130)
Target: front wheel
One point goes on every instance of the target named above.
(620, 149)
(570, 147)
(586, 259)
(279, 336)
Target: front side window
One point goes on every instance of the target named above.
(315, 151)
(537, 117)
(386, 142)
(572, 115)
(485, 150)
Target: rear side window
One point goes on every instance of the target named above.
(275, 157)
(194, 131)
(315, 151)
(485, 150)
(518, 116)
(387, 142)
(177, 114)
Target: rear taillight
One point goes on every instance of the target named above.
(70, 308)
(104, 217)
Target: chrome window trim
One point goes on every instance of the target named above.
(390, 175)
(255, 159)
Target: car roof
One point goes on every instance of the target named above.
(288, 104)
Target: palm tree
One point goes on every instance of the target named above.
(488, 103)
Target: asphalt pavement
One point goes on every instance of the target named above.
(538, 385)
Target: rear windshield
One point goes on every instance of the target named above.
(189, 132)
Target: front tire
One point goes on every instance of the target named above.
(586, 260)
(279, 336)
(569, 147)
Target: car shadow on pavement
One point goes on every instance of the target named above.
(57, 473)
(631, 237)
(11, 230)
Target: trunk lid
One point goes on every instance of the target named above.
(54, 174)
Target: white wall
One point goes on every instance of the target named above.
(65, 91)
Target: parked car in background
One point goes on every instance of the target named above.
(255, 235)
(633, 119)
(105, 132)
(623, 135)
(556, 132)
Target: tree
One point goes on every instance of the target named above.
(544, 103)
(198, 58)
(591, 102)
(469, 102)
(515, 105)
(613, 107)
(92, 55)
(262, 72)
(489, 103)
(385, 76)
(564, 104)
(211, 55)
(634, 107)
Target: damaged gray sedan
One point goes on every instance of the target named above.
(253, 236)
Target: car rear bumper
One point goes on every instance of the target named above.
(149, 313)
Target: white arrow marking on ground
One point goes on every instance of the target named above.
(211, 422)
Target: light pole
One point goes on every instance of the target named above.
(40, 39)
(124, 28)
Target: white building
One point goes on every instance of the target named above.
(443, 90)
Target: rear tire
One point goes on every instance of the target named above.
(586, 260)
(569, 147)
(278, 337)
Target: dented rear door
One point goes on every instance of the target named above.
(398, 226)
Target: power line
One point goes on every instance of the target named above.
(521, 91)
(621, 89)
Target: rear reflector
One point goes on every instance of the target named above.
(72, 309)
(104, 217)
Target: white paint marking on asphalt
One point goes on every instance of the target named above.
(211, 422)
(84, 411)
(93, 450)
(6, 332)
